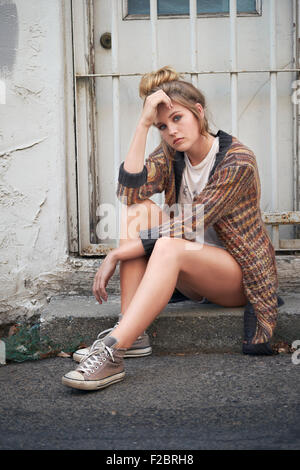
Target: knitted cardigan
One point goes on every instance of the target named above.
(231, 201)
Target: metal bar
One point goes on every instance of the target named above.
(295, 166)
(93, 167)
(295, 117)
(275, 236)
(273, 137)
(115, 38)
(154, 44)
(70, 119)
(202, 72)
(233, 66)
(258, 7)
(296, 109)
(115, 95)
(273, 107)
(82, 64)
(281, 218)
(194, 52)
(293, 244)
(153, 21)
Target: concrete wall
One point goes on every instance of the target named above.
(33, 220)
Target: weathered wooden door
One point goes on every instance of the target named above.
(241, 54)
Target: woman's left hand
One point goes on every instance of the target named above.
(104, 273)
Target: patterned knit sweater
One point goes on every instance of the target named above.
(231, 201)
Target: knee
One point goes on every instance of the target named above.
(165, 247)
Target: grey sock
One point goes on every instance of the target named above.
(120, 318)
(109, 341)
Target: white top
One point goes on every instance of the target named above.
(194, 179)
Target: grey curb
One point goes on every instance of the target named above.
(180, 327)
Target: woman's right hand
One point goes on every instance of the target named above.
(104, 273)
(150, 107)
(134, 161)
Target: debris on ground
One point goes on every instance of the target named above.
(282, 348)
(24, 342)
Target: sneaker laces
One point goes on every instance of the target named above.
(100, 336)
(98, 354)
(109, 330)
(105, 332)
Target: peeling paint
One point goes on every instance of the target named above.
(92, 250)
(39, 210)
(22, 147)
(27, 93)
(36, 238)
(9, 197)
(33, 236)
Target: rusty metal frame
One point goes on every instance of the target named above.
(296, 113)
(70, 134)
(275, 219)
(191, 72)
(86, 137)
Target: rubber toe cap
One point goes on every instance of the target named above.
(74, 375)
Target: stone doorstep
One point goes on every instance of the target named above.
(181, 327)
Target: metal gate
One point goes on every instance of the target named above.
(246, 64)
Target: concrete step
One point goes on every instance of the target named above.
(181, 327)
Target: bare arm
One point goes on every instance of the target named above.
(134, 161)
(131, 249)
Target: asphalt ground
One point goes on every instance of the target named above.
(166, 402)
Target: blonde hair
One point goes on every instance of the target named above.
(181, 91)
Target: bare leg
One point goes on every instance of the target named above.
(208, 271)
(131, 274)
(132, 271)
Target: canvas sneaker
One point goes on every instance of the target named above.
(102, 367)
(141, 346)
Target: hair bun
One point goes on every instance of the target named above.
(153, 80)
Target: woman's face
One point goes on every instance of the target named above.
(178, 126)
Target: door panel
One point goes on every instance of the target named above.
(135, 57)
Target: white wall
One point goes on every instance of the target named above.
(33, 220)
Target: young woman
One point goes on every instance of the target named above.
(216, 178)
